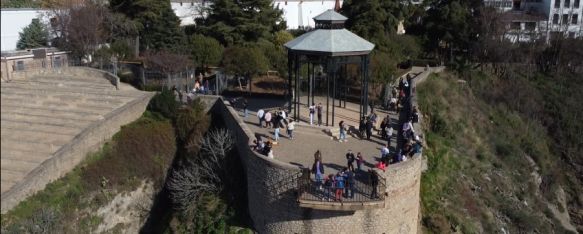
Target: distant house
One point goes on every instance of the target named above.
(27, 60)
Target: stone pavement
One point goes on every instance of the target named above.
(308, 139)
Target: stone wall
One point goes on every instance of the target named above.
(272, 200)
(75, 71)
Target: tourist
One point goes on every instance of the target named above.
(374, 182)
(339, 186)
(318, 170)
(245, 105)
(371, 105)
(359, 160)
(349, 187)
(408, 130)
(369, 125)
(342, 136)
(361, 127)
(373, 117)
(318, 155)
(283, 114)
(329, 183)
(350, 160)
(382, 129)
(319, 112)
(393, 103)
(417, 146)
(389, 135)
(381, 165)
(276, 127)
(267, 118)
(415, 115)
(260, 115)
(312, 109)
(385, 152)
(290, 129)
(267, 151)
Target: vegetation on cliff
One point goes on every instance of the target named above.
(496, 156)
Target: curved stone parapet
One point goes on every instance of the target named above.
(272, 192)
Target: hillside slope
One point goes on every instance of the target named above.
(491, 168)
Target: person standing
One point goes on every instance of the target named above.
(319, 112)
(374, 182)
(339, 186)
(312, 109)
(342, 137)
(318, 170)
(245, 105)
(389, 134)
(384, 152)
(361, 127)
(290, 129)
(260, 114)
(276, 131)
(349, 187)
(359, 161)
(267, 118)
(350, 160)
(369, 125)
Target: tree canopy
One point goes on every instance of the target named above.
(239, 60)
(239, 21)
(205, 51)
(34, 35)
(159, 26)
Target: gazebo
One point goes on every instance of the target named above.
(329, 48)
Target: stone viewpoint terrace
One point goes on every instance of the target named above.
(50, 121)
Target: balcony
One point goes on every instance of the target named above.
(312, 195)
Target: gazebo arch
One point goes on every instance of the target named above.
(331, 47)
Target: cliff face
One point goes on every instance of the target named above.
(493, 165)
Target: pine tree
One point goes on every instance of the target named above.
(160, 27)
(236, 22)
(33, 36)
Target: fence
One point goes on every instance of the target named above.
(361, 191)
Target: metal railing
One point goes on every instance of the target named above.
(361, 191)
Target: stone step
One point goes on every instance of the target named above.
(47, 106)
(8, 144)
(29, 156)
(14, 86)
(79, 123)
(16, 165)
(30, 136)
(16, 125)
(5, 185)
(66, 98)
(83, 107)
(51, 113)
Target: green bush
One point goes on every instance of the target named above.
(165, 103)
(143, 150)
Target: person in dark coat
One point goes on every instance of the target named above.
(368, 129)
(374, 182)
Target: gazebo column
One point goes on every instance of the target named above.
(297, 88)
(365, 72)
(289, 81)
(327, 91)
(334, 76)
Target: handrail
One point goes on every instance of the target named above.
(362, 190)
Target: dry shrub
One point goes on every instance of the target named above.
(144, 149)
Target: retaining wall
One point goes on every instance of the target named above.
(75, 71)
(71, 154)
(272, 197)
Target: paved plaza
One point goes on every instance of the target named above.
(308, 139)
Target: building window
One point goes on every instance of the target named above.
(574, 19)
(556, 19)
(565, 19)
(567, 3)
(19, 65)
(557, 3)
(571, 34)
(576, 5)
(57, 62)
(530, 26)
(515, 25)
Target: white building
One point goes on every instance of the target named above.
(13, 21)
(531, 19)
(297, 13)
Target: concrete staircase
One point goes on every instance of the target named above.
(42, 114)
